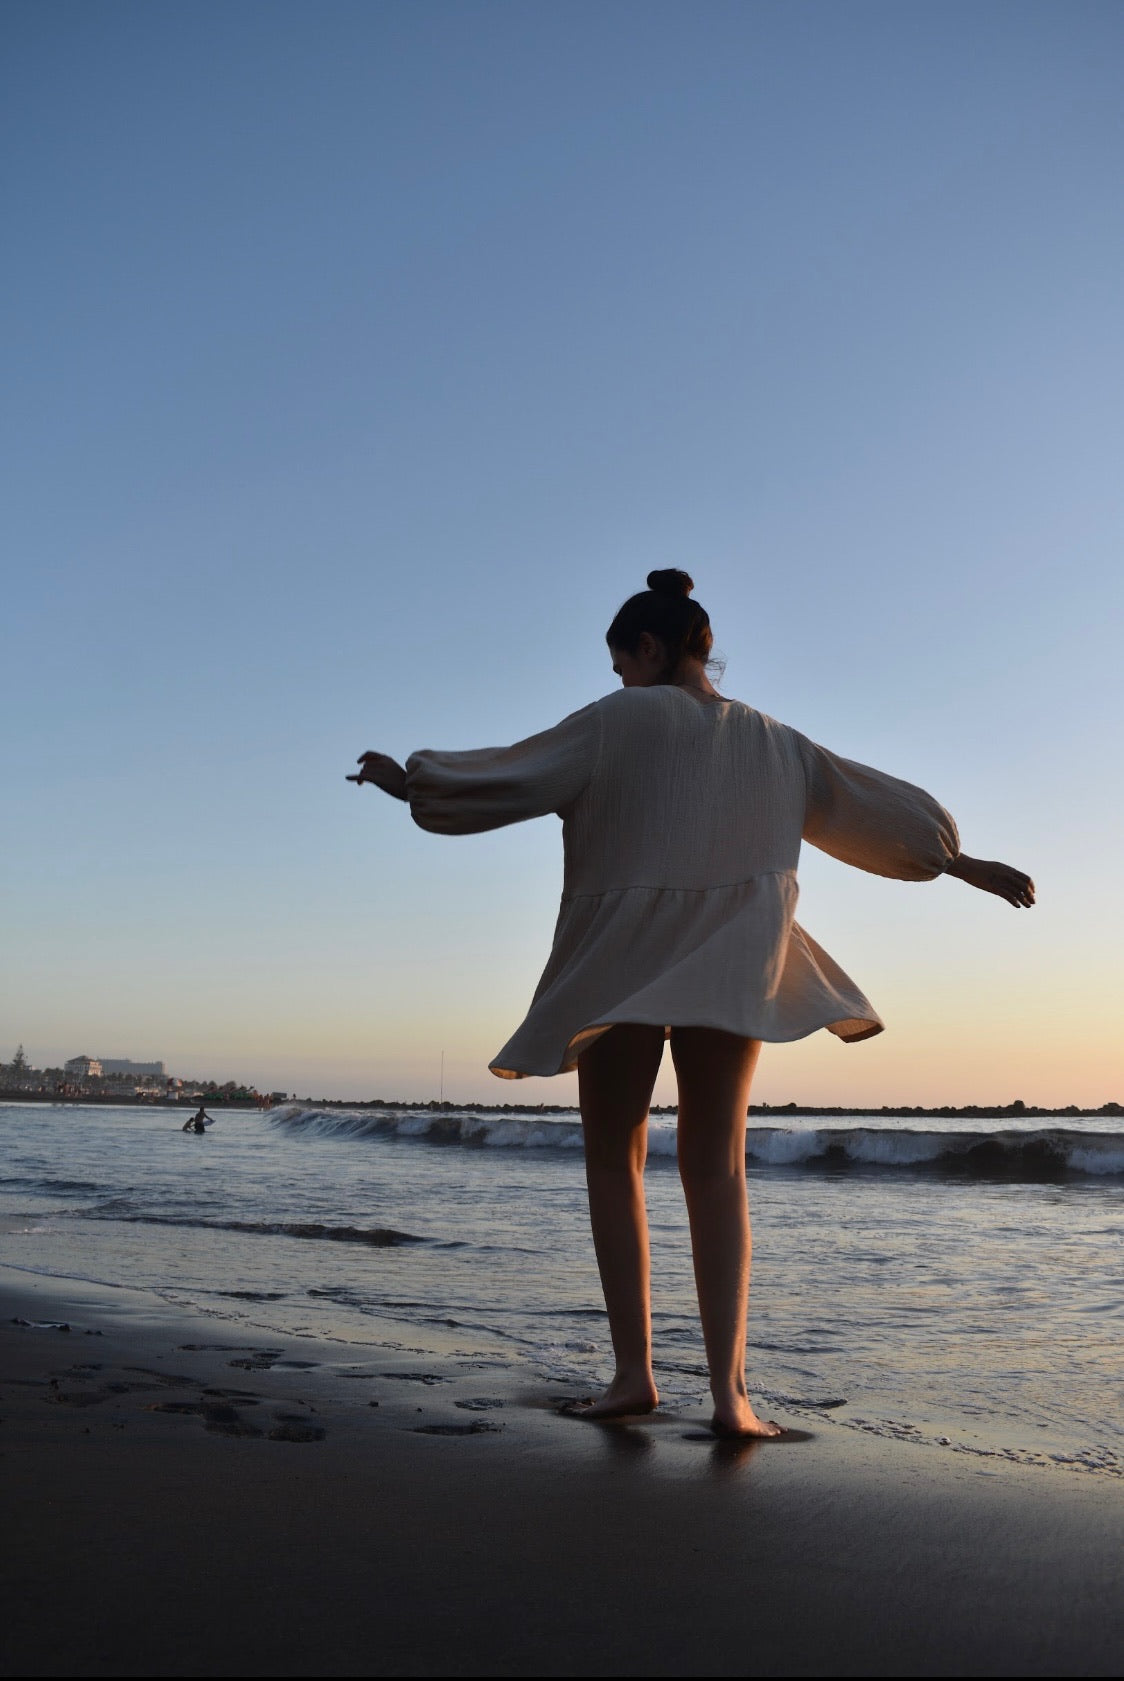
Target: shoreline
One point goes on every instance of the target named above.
(966, 1112)
(194, 1497)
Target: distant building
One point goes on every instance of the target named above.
(83, 1068)
(122, 1065)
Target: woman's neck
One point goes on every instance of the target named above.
(691, 675)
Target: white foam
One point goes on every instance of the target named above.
(413, 1126)
(1096, 1158)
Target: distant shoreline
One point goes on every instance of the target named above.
(970, 1111)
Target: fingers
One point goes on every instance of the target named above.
(381, 771)
(369, 763)
(1024, 891)
(1014, 886)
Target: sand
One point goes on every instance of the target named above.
(184, 1499)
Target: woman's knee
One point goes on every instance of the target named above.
(615, 1150)
(709, 1162)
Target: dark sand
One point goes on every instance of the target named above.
(211, 1510)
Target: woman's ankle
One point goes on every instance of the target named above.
(635, 1379)
(731, 1392)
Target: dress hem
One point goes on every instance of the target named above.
(866, 1028)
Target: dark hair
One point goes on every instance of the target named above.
(665, 610)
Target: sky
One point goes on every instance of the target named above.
(361, 358)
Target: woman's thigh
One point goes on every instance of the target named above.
(616, 1074)
(714, 1071)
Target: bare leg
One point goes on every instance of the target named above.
(715, 1072)
(615, 1079)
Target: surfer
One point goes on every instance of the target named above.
(198, 1122)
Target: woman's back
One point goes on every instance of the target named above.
(684, 793)
(682, 825)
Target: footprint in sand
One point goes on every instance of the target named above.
(297, 1430)
(168, 1380)
(230, 1427)
(92, 1394)
(478, 1427)
(222, 1419)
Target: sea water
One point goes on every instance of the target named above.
(956, 1287)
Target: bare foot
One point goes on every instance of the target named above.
(624, 1398)
(737, 1419)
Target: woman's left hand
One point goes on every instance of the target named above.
(386, 773)
(994, 877)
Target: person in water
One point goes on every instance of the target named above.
(683, 814)
(197, 1122)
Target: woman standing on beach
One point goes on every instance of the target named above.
(683, 814)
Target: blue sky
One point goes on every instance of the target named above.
(361, 358)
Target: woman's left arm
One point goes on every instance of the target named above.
(874, 821)
(892, 828)
(992, 877)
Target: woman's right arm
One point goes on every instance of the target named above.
(464, 793)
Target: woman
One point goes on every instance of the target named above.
(683, 814)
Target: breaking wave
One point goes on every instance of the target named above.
(1040, 1153)
(511, 1132)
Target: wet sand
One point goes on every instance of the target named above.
(187, 1498)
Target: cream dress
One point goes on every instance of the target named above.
(681, 822)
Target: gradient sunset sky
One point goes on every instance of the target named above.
(361, 358)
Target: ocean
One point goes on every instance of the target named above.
(959, 1288)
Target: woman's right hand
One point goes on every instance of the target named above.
(993, 877)
(386, 773)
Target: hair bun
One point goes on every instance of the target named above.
(670, 582)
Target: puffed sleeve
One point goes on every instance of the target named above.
(874, 821)
(488, 787)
